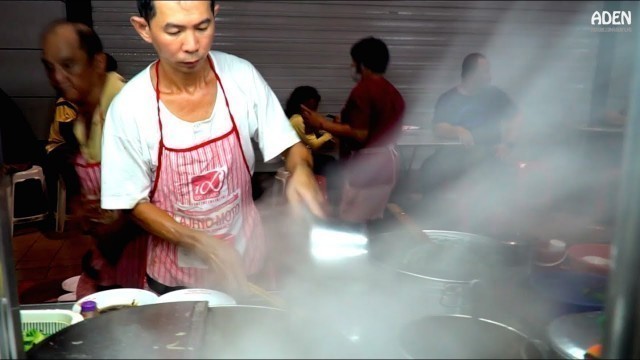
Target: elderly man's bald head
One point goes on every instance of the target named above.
(74, 60)
(87, 39)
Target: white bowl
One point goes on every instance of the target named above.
(116, 297)
(215, 298)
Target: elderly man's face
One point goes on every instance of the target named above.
(69, 69)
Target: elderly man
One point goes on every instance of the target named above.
(177, 152)
(76, 65)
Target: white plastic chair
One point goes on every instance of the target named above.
(281, 185)
(35, 173)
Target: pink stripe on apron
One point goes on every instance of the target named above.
(130, 268)
(205, 187)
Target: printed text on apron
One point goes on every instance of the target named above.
(205, 187)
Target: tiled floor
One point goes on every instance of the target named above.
(41, 258)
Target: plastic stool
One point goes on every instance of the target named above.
(35, 173)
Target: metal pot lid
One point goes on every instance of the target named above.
(449, 256)
(571, 335)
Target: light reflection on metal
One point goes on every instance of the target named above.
(336, 244)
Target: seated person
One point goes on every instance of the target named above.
(483, 118)
(317, 140)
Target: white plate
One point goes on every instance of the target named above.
(215, 298)
(118, 297)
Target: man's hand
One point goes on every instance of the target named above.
(465, 136)
(225, 263)
(222, 257)
(313, 118)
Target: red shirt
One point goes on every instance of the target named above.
(374, 104)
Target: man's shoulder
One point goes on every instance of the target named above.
(230, 63)
(495, 91)
(449, 94)
(133, 91)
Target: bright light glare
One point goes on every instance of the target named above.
(327, 244)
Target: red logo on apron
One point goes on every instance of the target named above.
(207, 185)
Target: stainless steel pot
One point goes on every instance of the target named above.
(465, 337)
(460, 265)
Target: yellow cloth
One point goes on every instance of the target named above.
(65, 112)
(311, 140)
(91, 145)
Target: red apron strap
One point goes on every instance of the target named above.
(233, 120)
(161, 143)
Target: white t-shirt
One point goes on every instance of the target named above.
(131, 133)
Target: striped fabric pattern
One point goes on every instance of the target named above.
(174, 186)
(130, 269)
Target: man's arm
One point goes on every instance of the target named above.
(225, 261)
(360, 134)
(443, 127)
(302, 185)
(159, 223)
(448, 131)
(311, 140)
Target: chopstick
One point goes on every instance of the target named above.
(274, 300)
(407, 220)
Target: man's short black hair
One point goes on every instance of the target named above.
(88, 39)
(148, 11)
(371, 53)
(470, 63)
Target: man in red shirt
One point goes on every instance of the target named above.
(369, 124)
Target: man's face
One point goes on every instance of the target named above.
(482, 75)
(182, 33)
(356, 71)
(68, 68)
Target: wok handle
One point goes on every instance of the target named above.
(406, 220)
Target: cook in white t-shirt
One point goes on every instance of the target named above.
(182, 161)
(131, 134)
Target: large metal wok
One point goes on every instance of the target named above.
(465, 337)
(192, 330)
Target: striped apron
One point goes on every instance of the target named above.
(128, 272)
(205, 187)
